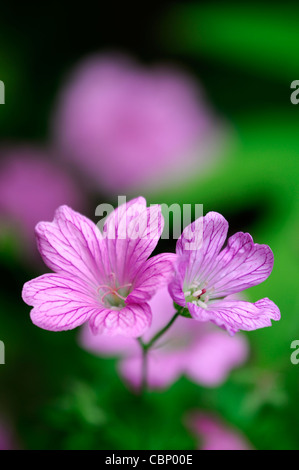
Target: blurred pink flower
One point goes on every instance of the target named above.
(106, 278)
(201, 351)
(7, 441)
(215, 435)
(31, 188)
(126, 126)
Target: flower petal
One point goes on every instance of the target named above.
(132, 232)
(162, 369)
(240, 265)
(200, 244)
(215, 435)
(73, 244)
(156, 272)
(213, 356)
(60, 303)
(106, 345)
(235, 315)
(132, 320)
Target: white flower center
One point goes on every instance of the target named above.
(197, 295)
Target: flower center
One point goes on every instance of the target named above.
(197, 296)
(113, 294)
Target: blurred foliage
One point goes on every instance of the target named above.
(251, 35)
(57, 395)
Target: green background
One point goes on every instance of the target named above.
(245, 55)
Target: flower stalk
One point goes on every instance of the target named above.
(147, 346)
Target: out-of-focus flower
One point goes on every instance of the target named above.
(105, 279)
(31, 188)
(206, 276)
(126, 126)
(201, 351)
(215, 435)
(7, 441)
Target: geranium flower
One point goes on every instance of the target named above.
(207, 275)
(104, 278)
(213, 434)
(199, 351)
(27, 178)
(7, 438)
(126, 126)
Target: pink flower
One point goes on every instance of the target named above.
(206, 276)
(31, 187)
(215, 435)
(7, 439)
(103, 278)
(126, 126)
(200, 351)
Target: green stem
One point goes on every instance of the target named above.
(143, 384)
(146, 346)
(161, 332)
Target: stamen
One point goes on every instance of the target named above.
(197, 293)
(113, 290)
(202, 304)
(125, 285)
(103, 286)
(118, 295)
(103, 296)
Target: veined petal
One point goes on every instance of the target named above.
(235, 315)
(132, 320)
(240, 265)
(175, 290)
(154, 274)
(73, 244)
(60, 302)
(132, 232)
(200, 244)
(116, 223)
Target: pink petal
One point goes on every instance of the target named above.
(200, 244)
(235, 315)
(175, 289)
(162, 307)
(156, 272)
(213, 356)
(240, 265)
(162, 369)
(215, 435)
(60, 303)
(109, 346)
(73, 244)
(132, 320)
(132, 232)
